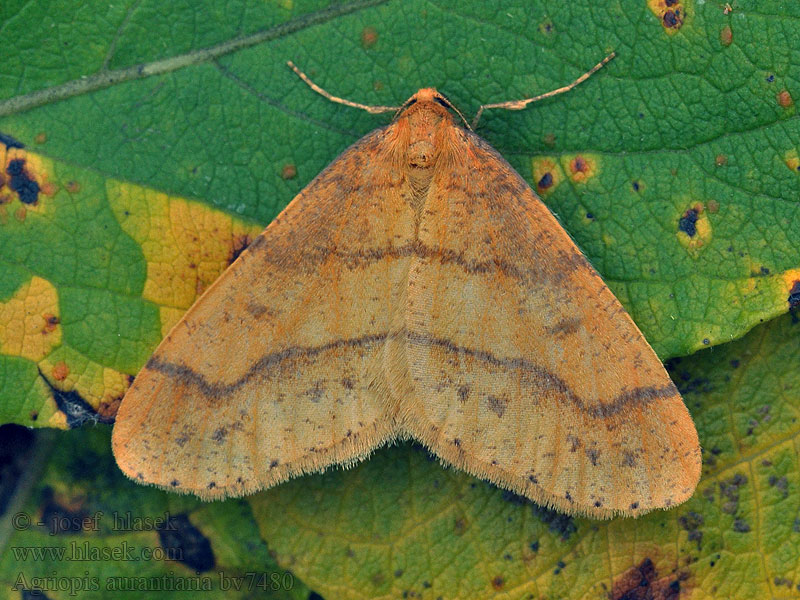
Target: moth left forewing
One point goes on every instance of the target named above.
(533, 374)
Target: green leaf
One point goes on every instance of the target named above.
(78, 528)
(400, 524)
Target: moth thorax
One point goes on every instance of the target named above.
(421, 154)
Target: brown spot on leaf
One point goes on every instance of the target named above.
(726, 36)
(672, 19)
(785, 99)
(498, 583)
(721, 160)
(50, 323)
(369, 37)
(289, 171)
(582, 168)
(642, 582)
(60, 371)
(73, 187)
(40, 138)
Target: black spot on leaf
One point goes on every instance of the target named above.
(688, 223)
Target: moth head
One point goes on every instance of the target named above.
(431, 102)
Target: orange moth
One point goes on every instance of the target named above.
(417, 288)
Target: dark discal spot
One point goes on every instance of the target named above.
(457, 443)
(628, 458)
(634, 505)
(575, 443)
(560, 524)
(316, 393)
(182, 540)
(219, 435)
(498, 583)
(59, 519)
(672, 19)
(174, 483)
(794, 295)
(238, 245)
(533, 479)
(642, 582)
(255, 310)
(688, 222)
(565, 326)
(10, 142)
(545, 182)
(182, 439)
(77, 410)
(23, 184)
(274, 464)
(568, 497)
(497, 405)
(593, 455)
(463, 393)
(212, 485)
(692, 522)
(347, 383)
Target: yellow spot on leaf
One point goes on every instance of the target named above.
(24, 178)
(31, 321)
(694, 229)
(792, 161)
(187, 245)
(580, 167)
(101, 387)
(546, 175)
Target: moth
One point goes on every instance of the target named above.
(418, 289)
